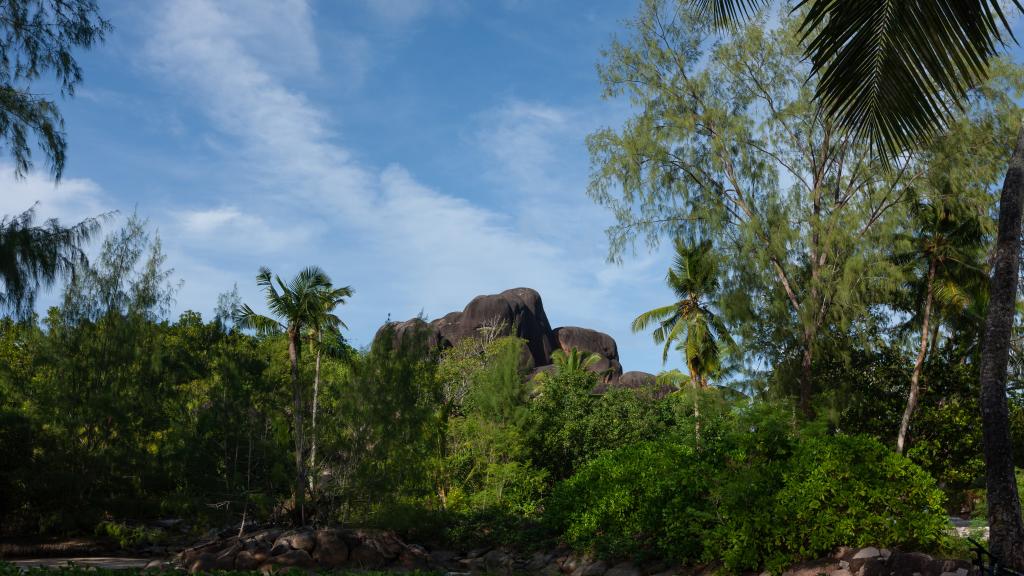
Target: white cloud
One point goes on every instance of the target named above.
(227, 228)
(70, 201)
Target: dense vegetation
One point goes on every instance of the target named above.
(828, 314)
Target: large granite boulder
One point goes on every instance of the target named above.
(636, 379)
(587, 340)
(518, 312)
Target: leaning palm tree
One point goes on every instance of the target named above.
(33, 257)
(689, 323)
(295, 306)
(894, 71)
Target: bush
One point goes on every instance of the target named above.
(853, 491)
(648, 499)
(752, 497)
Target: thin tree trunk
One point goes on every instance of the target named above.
(1006, 530)
(806, 375)
(300, 462)
(316, 395)
(915, 377)
(695, 380)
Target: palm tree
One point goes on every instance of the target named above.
(894, 72)
(693, 277)
(33, 257)
(689, 322)
(297, 305)
(575, 360)
(331, 324)
(947, 253)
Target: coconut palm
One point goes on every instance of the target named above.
(945, 261)
(575, 360)
(689, 321)
(33, 257)
(300, 304)
(894, 72)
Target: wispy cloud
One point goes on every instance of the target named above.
(405, 12)
(71, 200)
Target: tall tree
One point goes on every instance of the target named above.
(295, 305)
(32, 257)
(38, 38)
(728, 146)
(890, 71)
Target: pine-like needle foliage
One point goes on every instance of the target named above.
(33, 257)
(37, 37)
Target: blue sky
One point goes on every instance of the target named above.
(423, 151)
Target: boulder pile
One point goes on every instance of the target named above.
(520, 312)
(307, 549)
(871, 561)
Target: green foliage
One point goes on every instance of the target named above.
(383, 423)
(127, 535)
(759, 492)
(645, 499)
(32, 257)
(38, 38)
(568, 424)
(852, 491)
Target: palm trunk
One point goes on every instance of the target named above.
(300, 462)
(915, 378)
(1006, 530)
(316, 396)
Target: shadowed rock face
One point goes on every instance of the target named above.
(520, 311)
(587, 340)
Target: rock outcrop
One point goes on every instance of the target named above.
(520, 311)
(587, 340)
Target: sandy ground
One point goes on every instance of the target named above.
(110, 562)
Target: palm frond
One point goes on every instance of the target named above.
(890, 69)
(247, 319)
(723, 13)
(656, 315)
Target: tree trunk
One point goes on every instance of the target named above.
(915, 378)
(300, 462)
(316, 396)
(1006, 536)
(695, 381)
(806, 375)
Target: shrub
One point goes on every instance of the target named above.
(640, 500)
(752, 497)
(853, 491)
